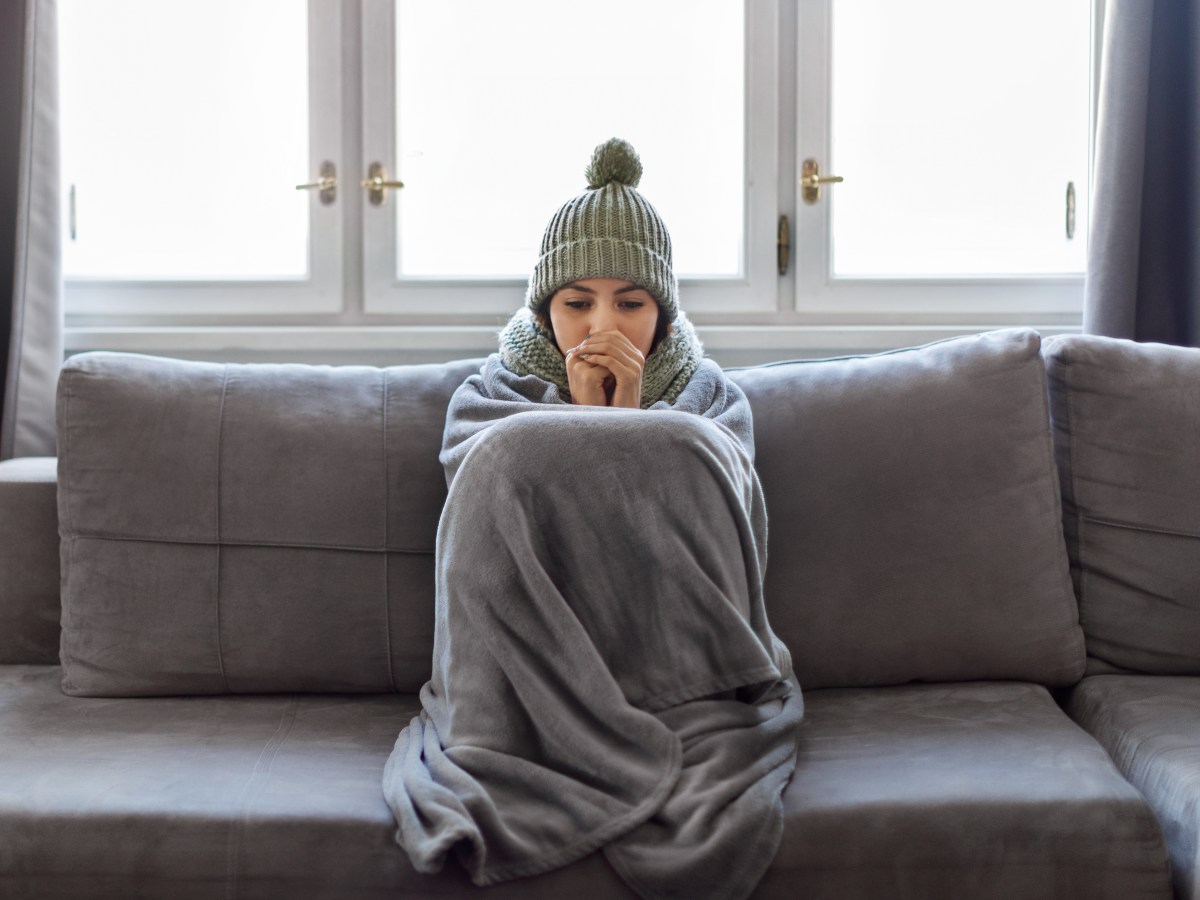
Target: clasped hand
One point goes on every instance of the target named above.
(605, 369)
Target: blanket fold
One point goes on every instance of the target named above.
(604, 674)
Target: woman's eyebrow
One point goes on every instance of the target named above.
(576, 286)
(630, 289)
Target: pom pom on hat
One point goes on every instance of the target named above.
(614, 160)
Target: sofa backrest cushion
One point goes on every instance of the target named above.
(1127, 434)
(248, 528)
(915, 527)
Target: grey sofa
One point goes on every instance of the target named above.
(216, 608)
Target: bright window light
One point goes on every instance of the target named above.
(958, 127)
(500, 104)
(184, 132)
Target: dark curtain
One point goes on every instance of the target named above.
(1143, 277)
(12, 64)
(30, 238)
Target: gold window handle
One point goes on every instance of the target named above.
(377, 184)
(811, 180)
(325, 186)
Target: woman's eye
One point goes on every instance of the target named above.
(632, 304)
(576, 304)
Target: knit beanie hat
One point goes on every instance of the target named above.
(608, 231)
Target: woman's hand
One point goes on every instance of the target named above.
(606, 370)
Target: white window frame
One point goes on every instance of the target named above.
(820, 294)
(321, 291)
(352, 309)
(753, 292)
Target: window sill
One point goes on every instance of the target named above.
(730, 345)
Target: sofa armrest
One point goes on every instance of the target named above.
(29, 567)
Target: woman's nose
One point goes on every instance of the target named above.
(602, 320)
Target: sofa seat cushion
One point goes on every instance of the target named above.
(976, 790)
(215, 797)
(1151, 727)
(980, 790)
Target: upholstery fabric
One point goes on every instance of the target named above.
(1127, 432)
(915, 527)
(215, 797)
(983, 791)
(248, 528)
(1151, 726)
(29, 607)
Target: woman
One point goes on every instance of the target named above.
(604, 675)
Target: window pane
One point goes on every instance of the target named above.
(500, 104)
(185, 130)
(957, 127)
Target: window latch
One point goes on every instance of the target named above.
(325, 186)
(811, 180)
(1070, 210)
(377, 184)
(783, 245)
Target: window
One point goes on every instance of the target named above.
(490, 136)
(962, 161)
(180, 156)
(962, 133)
(496, 143)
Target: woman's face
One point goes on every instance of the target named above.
(592, 305)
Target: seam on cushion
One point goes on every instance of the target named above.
(1138, 526)
(1079, 518)
(68, 377)
(387, 488)
(1056, 509)
(1057, 514)
(65, 545)
(280, 545)
(217, 585)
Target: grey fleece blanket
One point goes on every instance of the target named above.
(604, 675)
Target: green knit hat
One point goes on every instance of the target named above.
(608, 231)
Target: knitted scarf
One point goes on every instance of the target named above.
(526, 348)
